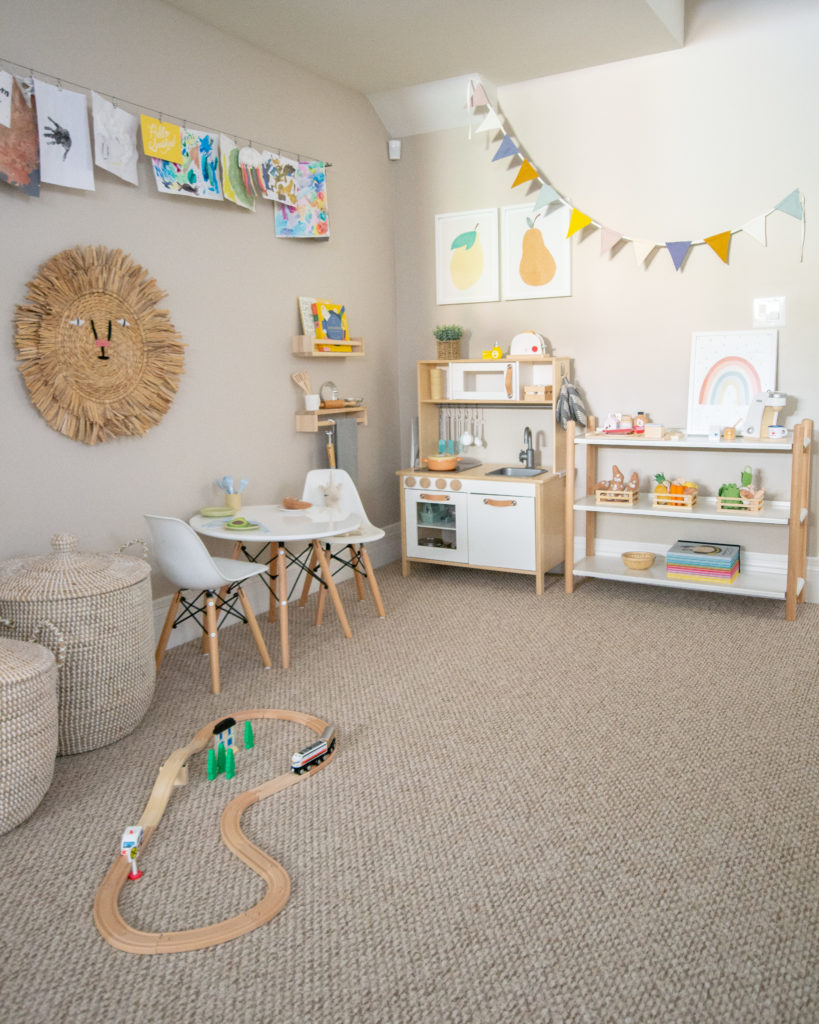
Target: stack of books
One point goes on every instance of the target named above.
(701, 562)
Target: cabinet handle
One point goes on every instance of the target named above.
(498, 503)
(507, 380)
(434, 497)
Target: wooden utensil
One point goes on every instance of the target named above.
(302, 380)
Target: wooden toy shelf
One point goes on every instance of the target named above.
(312, 422)
(311, 348)
(787, 585)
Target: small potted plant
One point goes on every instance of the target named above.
(449, 340)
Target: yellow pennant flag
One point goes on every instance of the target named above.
(161, 139)
(526, 173)
(719, 243)
(577, 221)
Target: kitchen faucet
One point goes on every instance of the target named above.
(527, 455)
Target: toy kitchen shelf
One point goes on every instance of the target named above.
(786, 585)
(312, 422)
(314, 348)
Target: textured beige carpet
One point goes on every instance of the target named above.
(598, 807)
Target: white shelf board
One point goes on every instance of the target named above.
(747, 584)
(776, 513)
(699, 441)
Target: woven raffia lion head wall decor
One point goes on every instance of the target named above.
(98, 358)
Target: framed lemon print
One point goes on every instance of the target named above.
(466, 257)
(536, 255)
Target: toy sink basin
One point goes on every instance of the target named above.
(515, 471)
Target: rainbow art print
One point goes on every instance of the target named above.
(728, 369)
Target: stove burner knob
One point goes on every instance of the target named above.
(409, 481)
(440, 483)
(455, 485)
(424, 481)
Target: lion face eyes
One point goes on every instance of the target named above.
(77, 322)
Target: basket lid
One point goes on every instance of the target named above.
(18, 658)
(68, 572)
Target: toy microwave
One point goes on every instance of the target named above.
(485, 381)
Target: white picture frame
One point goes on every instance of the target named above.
(543, 235)
(727, 369)
(466, 272)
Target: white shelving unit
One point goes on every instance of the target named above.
(787, 586)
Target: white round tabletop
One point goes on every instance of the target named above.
(276, 523)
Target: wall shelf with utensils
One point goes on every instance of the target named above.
(312, 422)
(326, 348)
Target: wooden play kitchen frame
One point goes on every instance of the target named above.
(788, 585)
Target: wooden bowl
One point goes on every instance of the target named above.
(638, 559)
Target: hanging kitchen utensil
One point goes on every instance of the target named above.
(331, 450)
(441, 438)
(450, 432)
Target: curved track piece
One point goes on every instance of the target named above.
(107, 917)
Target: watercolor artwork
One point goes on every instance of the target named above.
(279, 178)
(466, 256)
(19, 143)
(6, 80)
(115, 139)
(197, 175)
(309, 217)
(65, 141)
(233, 182)
(536, 255)
(727, 369)
(250, 165)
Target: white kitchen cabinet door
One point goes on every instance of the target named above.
(502, 531)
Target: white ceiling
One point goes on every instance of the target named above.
(379, 47)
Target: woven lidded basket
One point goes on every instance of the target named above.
(28, 728)
(101, 605)
(449, 349)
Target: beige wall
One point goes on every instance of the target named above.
(675, 146)
(231, 284)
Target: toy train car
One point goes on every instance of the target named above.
(314, 752)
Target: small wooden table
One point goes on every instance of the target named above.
(278, 526)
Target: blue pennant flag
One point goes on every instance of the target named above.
(678, 251)
(506, 148)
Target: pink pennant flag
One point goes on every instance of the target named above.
(608, 239)
(677, 251)
(577, 221)
(643, 249)
(526, 173)
(479, 96)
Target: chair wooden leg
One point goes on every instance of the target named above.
(211, 624)
(167, 626)
(254, 627)
(354, 560)
(281, 588)
(272, 583)
(331, 586)
(308, 579)
(365, 558)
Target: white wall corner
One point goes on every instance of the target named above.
(672, 14)
(430, 107)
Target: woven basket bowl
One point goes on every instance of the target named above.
(638, 559)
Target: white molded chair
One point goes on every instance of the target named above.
(334, 488)
(188, 564)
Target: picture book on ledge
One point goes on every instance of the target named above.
(330, 320)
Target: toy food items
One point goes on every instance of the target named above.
(639, 423)
(674, 492)
(618, 482)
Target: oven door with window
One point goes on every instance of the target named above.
(435, 524)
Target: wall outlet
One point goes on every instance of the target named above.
(769, 312)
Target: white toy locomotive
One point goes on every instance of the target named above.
(314, 752)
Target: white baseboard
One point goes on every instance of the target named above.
(382, 552)
(756, 560)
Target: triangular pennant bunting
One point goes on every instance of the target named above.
(526, 173)
(756, 229)
(490, 123)
(479, 96)
(792, 204)
(643, 249)
(677, 251)
(545, 196)
(506, 148)
(577, 221)
(720, 244)
(608, 239)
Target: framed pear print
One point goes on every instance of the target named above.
(98, 357)
(466, 256)
(536, 255)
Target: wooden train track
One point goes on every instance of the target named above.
(107, 917)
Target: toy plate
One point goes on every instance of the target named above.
(243, 526)
(216, 512)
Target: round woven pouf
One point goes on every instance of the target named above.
(28, 728)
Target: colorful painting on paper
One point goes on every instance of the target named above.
(309, 217)
(728, 368)
(466, 256)
(279, 178)
(232, 181)
(19, 144)
(198, 173)
(250, 165)
(115, 133)
(65, 142)
(161, 139)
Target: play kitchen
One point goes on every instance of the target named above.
(460, 508)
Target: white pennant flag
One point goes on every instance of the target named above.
(490, 123)
(643, 249)
(756, 228)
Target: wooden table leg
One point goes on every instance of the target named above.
(331, 586)
(281, 588)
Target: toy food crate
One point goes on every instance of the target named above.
(616, 497)
(740, 504)
(537, 393)
(665, 499)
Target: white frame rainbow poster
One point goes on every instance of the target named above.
(727, 369)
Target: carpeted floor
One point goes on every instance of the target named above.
(596, 808)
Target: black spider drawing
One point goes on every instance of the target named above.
(58, 136)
